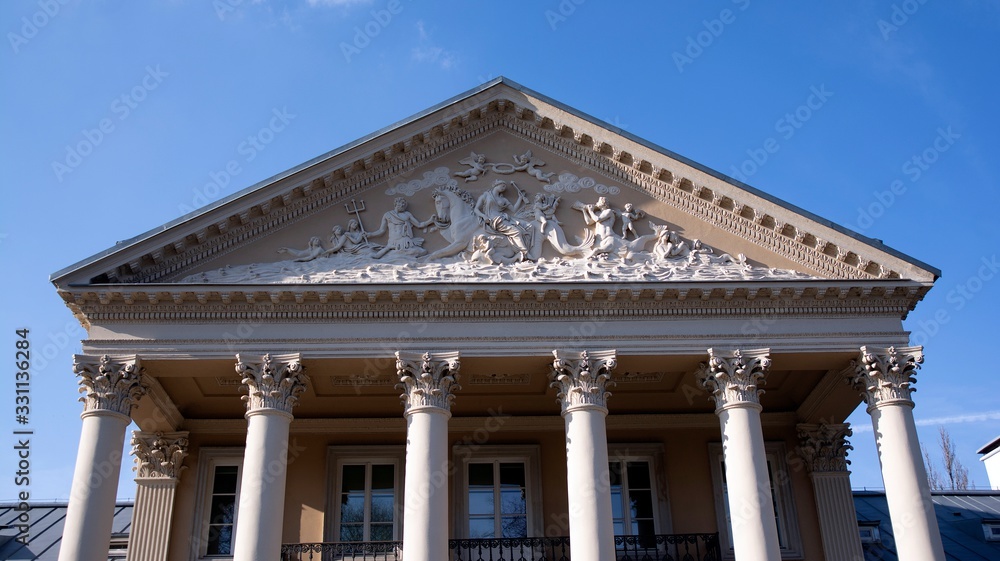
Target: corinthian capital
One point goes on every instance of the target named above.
(824, 447)
(274, 382)
(159, 455)
(886, 376)
(583, 378)
(732, 377)
(427, 380)
(109, 383)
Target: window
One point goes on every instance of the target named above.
(498, 506)
(868, 531)
(365, 493)
(219, 472)
(991, 530)
(781, 497)
(496, 492)
(632, 498)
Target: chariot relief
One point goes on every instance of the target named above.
(507, 231)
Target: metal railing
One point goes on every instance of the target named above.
(662, 547)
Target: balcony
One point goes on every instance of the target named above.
(663, 547)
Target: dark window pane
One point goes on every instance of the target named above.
(351, 533)
(481, 501)
(381, 532)
(352, 507)
(642, 504)
(481, 474)
(638, 475)
(353, 479)
(223, 509)
(617, 511)
(619, 528)
(383, 477)
(383, 507)
(225, 480)
(644, 528)
(514, 527)
(512, 474)
(481, 528)
(512, 501)
(220, 540)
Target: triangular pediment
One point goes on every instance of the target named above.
(502, 185)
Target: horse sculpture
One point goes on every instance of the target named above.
(458, 223)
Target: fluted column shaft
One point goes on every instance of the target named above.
(885, 377)
(111, 386)
(159, 458)
(582, 380)
(273, 386)
(428, 382)
(732, 378)
(824, 449)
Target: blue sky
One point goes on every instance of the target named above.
(116, 115)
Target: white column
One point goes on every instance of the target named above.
(428, 382)
(159, 459)
(732, 378)
(273, 387)
(111, 386)
(885, 376)
(582, 380)
(824, 449)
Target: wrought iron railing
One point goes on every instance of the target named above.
(663, 547)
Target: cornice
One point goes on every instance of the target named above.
(316, 187)
(524, 301)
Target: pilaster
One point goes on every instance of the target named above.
(159, 459)
(824, 448)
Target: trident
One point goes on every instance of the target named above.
(357, 212)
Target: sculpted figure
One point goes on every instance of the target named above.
(399, 224)
(627, 216)
(477, 167)
(601, 218)
(497, 212)
(528, 163)
(314, 250)
(669, 244)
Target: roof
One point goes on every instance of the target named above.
(123, 247)
(960, 517)
(989, 446)
(45, 528)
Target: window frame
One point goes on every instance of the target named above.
(210, 458)
(874, 536)
(990, 524)
(339, 456)
(464, 454)
(784, 499)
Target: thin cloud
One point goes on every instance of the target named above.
(956, 419)
(427, 52)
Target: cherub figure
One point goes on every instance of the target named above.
(528, 163)
(477, 167)
(314, 250)
(627, 216)
(544, 208)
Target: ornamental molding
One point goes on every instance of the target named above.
(500, 379)
(885, 376)
(428, 380)
(824, 447)
(159, 455)
(732, 377)
(275, 382)
(583, 379)
(618, 159)
(110, 383)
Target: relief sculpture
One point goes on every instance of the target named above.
(501, 234)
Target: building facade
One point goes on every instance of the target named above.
(406, 348)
